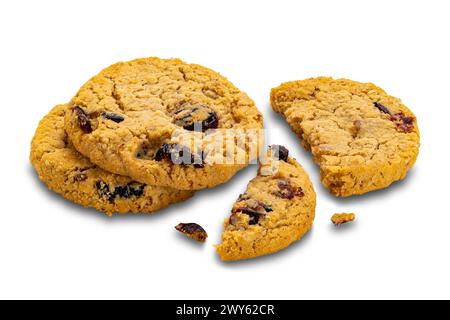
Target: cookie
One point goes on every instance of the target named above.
(277, 209)
(362, 138)
(159, 121)
(72, 175)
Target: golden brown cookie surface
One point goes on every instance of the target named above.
(138, 118)
(277, 209)
(72, 175)
(362, 138)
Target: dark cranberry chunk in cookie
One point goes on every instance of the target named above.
(103, 190)
(287, 191)
(281, 152)
(254, 215)
(83, 119)
(193, 231)
(402, 122)
(164, 152)
(131, 189)
(253, 208)
(179, 154)
(196, 117)
(117, 118)
(381, 107)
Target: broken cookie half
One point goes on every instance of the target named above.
(277, 209)
(362, 138)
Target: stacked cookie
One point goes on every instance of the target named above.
(139, 135)
(69, 173)
(144, 134)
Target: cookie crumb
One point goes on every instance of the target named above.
(193, 231)
(341, 218)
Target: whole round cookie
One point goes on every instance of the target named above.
(72, 175)
(362, 138)
(164, 122)
(277, 209)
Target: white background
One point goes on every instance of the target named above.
(399, 246)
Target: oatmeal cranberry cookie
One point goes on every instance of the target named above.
(72, 175)
(277, 209)
(153, 120)
(362, 138)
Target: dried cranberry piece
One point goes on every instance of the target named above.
(253, 208)
(254, 215)
(117, 118)
(299, 192)
(212, 122)
(127, 191)
(287, 191)
(281, 152)
(193, 231)
(163, 153)
(179, 154)
(197, 116)
(381, 107)
(103, 190)
(402, 122)
(83, 119)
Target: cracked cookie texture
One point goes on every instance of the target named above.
(277, 209)
(135, 117)
(362, 138)
(67, 172)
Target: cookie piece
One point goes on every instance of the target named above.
(341, 218)
(72, 175)
(362, 138)
(277, 209)
(148, 119)
(193, 231)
